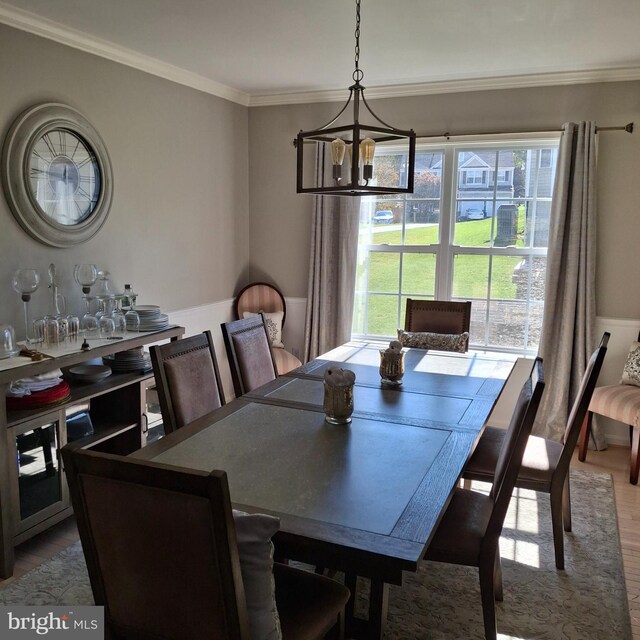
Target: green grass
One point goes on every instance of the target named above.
(470, 272)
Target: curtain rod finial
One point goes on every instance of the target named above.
(629, 128)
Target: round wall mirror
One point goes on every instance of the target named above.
(56, 175)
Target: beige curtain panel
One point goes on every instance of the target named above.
(570, 307)
(332, 269)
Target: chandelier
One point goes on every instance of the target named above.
(379, 158)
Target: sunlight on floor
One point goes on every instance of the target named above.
(523, 512)
(523, 517)
(521, 552)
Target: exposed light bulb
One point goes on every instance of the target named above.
(338, 147)
(337, 156)
(367, 150)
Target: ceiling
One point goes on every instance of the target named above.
(279, 51)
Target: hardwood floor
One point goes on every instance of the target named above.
(614, 460)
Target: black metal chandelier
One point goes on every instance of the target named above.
(380, 158)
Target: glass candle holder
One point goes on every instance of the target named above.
(391, 366)
(338, 404)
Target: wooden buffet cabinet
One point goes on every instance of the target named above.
(35, 499)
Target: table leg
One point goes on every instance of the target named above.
(373, 627)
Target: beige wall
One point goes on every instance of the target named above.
(179, 224)
(204, 194)
(280, 219)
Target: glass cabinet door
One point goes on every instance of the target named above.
(40, 484)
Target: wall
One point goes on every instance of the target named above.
(280, 219)
(179, 223)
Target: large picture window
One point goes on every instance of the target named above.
(476, 228)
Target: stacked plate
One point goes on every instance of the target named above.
(151, 319)
(90, 372)
(44, 398)
(129, 361)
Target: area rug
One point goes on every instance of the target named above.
(587, 601)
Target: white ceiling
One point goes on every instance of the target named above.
(278, 51)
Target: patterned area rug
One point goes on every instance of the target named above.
(588, 601)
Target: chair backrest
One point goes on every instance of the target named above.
(581, 403)
(187, 379)
(513, 446)
(437, 316)
(160, 547)
(250, 360)
(259, 296)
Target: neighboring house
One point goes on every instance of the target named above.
(480, 174)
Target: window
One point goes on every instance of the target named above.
(461, 236)
(545, 158)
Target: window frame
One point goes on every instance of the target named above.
(445, 250)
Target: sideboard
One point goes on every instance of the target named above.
(33, 490)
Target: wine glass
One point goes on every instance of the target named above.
(25, 282)
(132, 317)
(86, 275)
(119, 319)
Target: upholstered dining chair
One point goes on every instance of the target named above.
(268, 299)
(469, 531)
(168, 559)
(187, 379)
(248, 351)
(545, 464)
(439, 317)
(620, 402)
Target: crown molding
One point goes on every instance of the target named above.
(27, 21)
(455, 86)
(30, 22)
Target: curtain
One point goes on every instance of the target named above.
(332, 267)
(568, 340)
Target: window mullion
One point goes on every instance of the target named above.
(445, 253)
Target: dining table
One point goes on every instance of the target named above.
(364, 498)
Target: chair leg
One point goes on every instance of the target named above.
(635, 456)
(497, 578)
(566, 504)
(585, 434)
(487, 594)
(556, 525)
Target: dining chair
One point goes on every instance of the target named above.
(267, 298)
(469, 531)
(620, 402)
(438, 316)
(545, 465)
(165, 560)
(250, 357)
(187, 379)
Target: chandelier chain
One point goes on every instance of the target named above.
(357, 74)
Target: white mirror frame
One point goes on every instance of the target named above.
(24, 132)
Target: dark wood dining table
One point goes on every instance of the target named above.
(363, 498)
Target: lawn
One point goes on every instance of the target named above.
(470, 275)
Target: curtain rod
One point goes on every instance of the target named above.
(628, 128)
